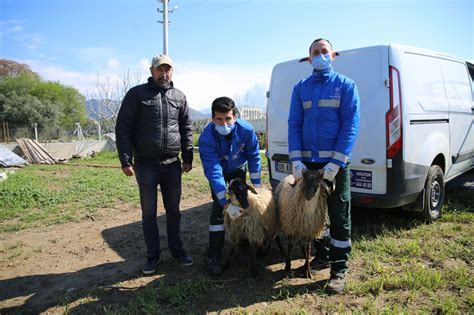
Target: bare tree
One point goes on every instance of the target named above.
(199, 125)
(109, 95)
(244, 99)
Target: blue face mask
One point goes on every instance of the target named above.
(321, 62)
(224, 129)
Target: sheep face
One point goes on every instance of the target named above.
(238, 191)
(312, 180)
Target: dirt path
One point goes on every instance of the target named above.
(43, 269)
(40, 265)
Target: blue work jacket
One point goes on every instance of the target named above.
(225, 154)
(324, 118)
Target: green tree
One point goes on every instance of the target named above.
(21, 84)
(67, 103)
(26, 110)
(71, 103)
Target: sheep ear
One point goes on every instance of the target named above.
(252, 189)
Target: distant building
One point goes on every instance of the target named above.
(251, 113)
(255, 116)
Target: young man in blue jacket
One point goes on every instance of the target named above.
(322, 126)
(227, 147)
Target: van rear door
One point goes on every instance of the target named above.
(284, 76)
(369, 68)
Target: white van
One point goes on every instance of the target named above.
(416, 124)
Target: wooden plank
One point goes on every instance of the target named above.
(43, 157)
(23, 147)
(46, 153)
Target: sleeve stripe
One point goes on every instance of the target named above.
(295, 154)
(340, 157)
(221, 195)
(254, 175)
(341, 244)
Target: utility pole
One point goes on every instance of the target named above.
(165, 23)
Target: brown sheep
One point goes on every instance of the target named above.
(302, 207)
(258, 223)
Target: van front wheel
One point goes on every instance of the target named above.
(433, 198)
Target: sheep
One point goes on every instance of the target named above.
(258, 223)
(302, 207)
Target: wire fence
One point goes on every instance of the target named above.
(91, 131)
(9, 133)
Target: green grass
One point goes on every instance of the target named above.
(164, 298)
(105, 158)
(400, 267)
(432, 263)
(39, 195)
(49, 194)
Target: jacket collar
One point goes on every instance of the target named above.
(323, 75)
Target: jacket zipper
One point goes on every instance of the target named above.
(164, 118)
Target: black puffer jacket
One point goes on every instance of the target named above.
(153, 124)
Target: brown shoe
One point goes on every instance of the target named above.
(336, 283)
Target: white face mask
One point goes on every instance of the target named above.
(224, 129)
(321, 62)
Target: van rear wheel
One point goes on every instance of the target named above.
(434, 193)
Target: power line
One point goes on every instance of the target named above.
(211, 11)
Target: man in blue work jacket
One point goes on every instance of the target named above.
(323, 123)
(227, 147)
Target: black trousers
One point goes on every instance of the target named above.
(149, 176)
(216, 226)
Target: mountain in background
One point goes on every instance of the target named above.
(198, 115)
(105, 108)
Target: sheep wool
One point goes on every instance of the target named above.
(300, 218)
(259, 221)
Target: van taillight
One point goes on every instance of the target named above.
(266, 130)
(393, 118)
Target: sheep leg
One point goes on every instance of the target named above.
(288, 256)
(302, 248)
(229, 258)
(306, 263)
(280, 245)
(253, 261)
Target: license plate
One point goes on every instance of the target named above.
(283, 167)
(361, 179)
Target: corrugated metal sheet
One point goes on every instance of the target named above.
(8, 158)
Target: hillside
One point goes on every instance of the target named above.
(106, 108)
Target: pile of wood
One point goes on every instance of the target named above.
(34, 152)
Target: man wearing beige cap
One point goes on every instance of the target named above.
(153, 126)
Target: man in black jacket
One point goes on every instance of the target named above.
(153, 125)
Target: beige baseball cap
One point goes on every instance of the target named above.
(161, 60)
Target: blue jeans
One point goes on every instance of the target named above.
(149, 175)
